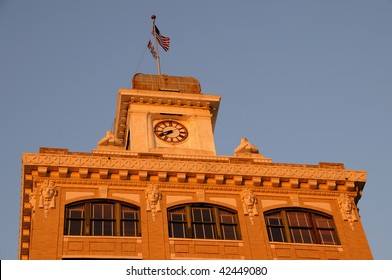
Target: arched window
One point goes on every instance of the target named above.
(101, 218)
(203, 221)
(300, 226)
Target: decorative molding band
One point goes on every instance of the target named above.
(187, 187)
(134, 96)
(210, 169)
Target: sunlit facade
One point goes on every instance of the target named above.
(154, 188)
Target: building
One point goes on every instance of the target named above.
(154, 188)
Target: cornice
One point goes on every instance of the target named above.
(135, 96)
(110, 164)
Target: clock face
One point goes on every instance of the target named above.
(171, 131)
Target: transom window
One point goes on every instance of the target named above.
(102, 218)
(203, 222)
(300, 226)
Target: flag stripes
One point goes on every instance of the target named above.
(163, 41)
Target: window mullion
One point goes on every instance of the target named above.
(286, 225)
(138, 223)
(314, 228)
(67, 222)
(218, 223)
(188, 217)
(237, 229)
(88, 217)
(117, 219)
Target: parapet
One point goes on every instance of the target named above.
(165, 83)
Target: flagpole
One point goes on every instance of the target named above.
(153, 17)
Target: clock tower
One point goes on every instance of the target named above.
(166, 114)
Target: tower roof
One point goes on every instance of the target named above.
(165, 83)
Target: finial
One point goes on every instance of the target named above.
(153, 17)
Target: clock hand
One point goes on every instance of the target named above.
(166, 132)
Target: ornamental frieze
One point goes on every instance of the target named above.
(155, 165)
(187, 187)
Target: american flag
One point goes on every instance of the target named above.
(162, 40)
(152, 50)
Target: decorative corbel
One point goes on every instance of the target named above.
(347, 209)
(153, 198)
(249, 202)
(48, 195)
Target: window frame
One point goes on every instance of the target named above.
(301, 232)
(89, 218)
(101, 224)
(213, 229)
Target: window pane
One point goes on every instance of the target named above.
(178, 230)
(75, 227)
(203, 219)
(307, 236)
(209, 231)
(108, 211)
(129, 213)
(327, 237)
(298, 219)
(202, 215)
(323, 222)
(228, 232)
(108, 227)
(204, 231)
(196, 213)
(274, 221)
(198, 231)
(301, 235)
(276, 234)
(75, 219)
(129, 228)
(177, 215)
(226, 217)
(76, 212)
(177, 223)
(207, 215)
(103, 228)
(97, 228)
(97, 211)
(296, 235)
(129, 221)
(303, 219)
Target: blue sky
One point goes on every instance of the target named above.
(304, 81)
